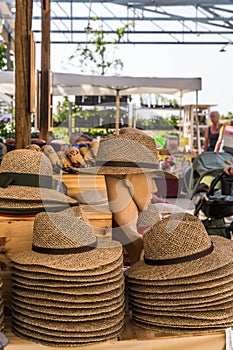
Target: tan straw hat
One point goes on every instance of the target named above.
(196, 271)
(180, 248)
(126, 153)
(64, 241)
(26, 183)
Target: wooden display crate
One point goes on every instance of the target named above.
(77, 183)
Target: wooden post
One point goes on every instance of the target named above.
(22, 73)
(117, 111)
(45, 72)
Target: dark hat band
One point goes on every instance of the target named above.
(121, 164)
(64, 251)
(187, 258)
(21, 179)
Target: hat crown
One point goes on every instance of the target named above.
(176, 237)
(63, 230)
(135, 148)
(26, 161)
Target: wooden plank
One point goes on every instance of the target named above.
(77, 183)
(45, 72)
(23, 23)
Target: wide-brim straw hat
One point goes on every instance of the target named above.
(193, 281)
(26, 182)
(62, 282)
(65, 242)
(68, 303)
(126, 153)
(39, 335)
(68, 310)
(177, 248)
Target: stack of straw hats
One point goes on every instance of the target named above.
(26, 184)
(69, 289)
(185, 282)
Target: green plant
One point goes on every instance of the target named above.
(96, 56)
(3, 58)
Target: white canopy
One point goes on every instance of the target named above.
(77, 84)
(67, 84)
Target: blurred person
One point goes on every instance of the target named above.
(225, 139)
(212, 132)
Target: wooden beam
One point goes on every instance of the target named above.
(23, 23)
(45, 72)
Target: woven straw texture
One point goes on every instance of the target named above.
(175, 240)
(67, 312)
(20, 197)
(125, 148)
(193, 295)
(63, 231)
(148, 217)
(69, 305)
(55, 340)
(84, 275)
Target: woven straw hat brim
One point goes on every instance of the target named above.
(180, 288)
(68, 305)
(106, 252)
(221, 256)
(69, 298)
(54, 283)
(70, 318)
(92, 290)
(54, 340)
(28, 193)
(85, 328)
(192, 280)
(96, 277)
(213, 315)
(107, 170)
(179, 302)
(18, 207)
(64, 311)
(187, 322)
(214, 305)
(184, 295)
(97, 274)
(169, 331)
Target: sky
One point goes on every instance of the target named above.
(187, 61)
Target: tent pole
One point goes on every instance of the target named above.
(117, 110)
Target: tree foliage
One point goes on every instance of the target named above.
(97, 56)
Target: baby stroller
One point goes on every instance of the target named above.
(211, 189)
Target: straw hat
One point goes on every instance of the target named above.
(180, 248)
(61, 311)
(26, 183)
(126, 153)
(184, 277)
(34, 147)
(50, 152)
(64, 241)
